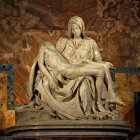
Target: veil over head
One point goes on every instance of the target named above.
(79, 22)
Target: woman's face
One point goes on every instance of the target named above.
(76, 30)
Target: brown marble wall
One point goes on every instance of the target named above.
(7, 117)
(114, 24)
(128, 85)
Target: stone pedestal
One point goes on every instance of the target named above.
(38, 124)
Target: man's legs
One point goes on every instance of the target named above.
(89, 70)
(108, 79)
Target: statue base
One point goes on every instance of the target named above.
(38, 124)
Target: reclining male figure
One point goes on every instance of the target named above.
(49, 55)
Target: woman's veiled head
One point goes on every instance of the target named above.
(77, 21)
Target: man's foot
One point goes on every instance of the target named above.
(116, 100)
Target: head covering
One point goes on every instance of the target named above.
(79, 22)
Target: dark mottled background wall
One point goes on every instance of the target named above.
(114, 24)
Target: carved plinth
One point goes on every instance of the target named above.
(39, 123)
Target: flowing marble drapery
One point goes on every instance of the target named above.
(71, 99)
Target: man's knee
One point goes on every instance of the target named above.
(105, 66)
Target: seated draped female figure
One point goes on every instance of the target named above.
(70, 80)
